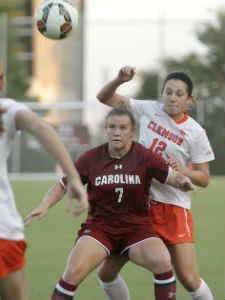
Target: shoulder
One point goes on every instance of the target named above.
(97, 149)
(139, 147)
(8, 103)
(93, 153)
(192, 128)
(11, 106)
(194, 123)
(141, 151)
(144, 103)
(145, 107)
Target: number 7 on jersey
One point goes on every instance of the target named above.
(120, 191)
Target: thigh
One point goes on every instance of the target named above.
(151, 254)
(184, 260)
(86, 255)
(13, 286)
(88, 249)
(111, 266)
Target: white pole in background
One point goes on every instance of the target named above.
(161, 51)
(4, 47)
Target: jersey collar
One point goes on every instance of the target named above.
(180, 121)
(184, 118)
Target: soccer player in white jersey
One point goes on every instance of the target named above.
(15, 116)
(166, 128)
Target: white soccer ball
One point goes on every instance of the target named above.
(56, 19)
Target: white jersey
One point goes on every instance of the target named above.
(11, 223)
(185, 140)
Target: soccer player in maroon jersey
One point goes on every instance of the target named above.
(118, 175)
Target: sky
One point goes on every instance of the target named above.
(138, 33)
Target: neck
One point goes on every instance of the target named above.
(118, 153)
(178, 117)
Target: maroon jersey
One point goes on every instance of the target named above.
(118, 189)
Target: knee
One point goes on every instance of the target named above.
(190, 281)
(75, 273)
(162, 263)
(105, 274)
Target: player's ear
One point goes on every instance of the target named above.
(134, 129)
(190, 99)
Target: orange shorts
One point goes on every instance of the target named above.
(12, 256)
(173, 223)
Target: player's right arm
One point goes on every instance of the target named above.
(54, 195)
(107, 95)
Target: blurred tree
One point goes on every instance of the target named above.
(149, 86)
(208, 74)
(17, 84)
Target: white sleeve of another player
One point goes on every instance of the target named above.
(200, 149)
(139, 107)
(136, 108)
(12, 107)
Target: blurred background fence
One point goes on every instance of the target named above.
(81, 126)
(28, 157)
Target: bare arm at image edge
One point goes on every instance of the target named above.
(46, 135)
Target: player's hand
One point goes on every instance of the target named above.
(174, 164)
(2, 111)
(76, 190)
(39, 212)
(184, 183)
(126, 73)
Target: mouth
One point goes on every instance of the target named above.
(172, 106)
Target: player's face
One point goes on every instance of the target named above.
(120, 133)
(175, 98)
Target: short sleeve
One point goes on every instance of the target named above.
(141, 108)
(81, 166)
(137, 108)
(158, 166)
(12, 108)
(200, 149)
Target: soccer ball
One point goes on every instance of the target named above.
(56, 19)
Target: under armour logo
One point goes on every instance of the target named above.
(118, 167)
(172, 295)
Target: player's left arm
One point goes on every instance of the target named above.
(199, 174)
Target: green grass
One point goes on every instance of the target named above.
(51, 240)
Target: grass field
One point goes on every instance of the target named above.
(51, 239)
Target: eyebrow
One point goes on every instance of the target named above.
(179, 89)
